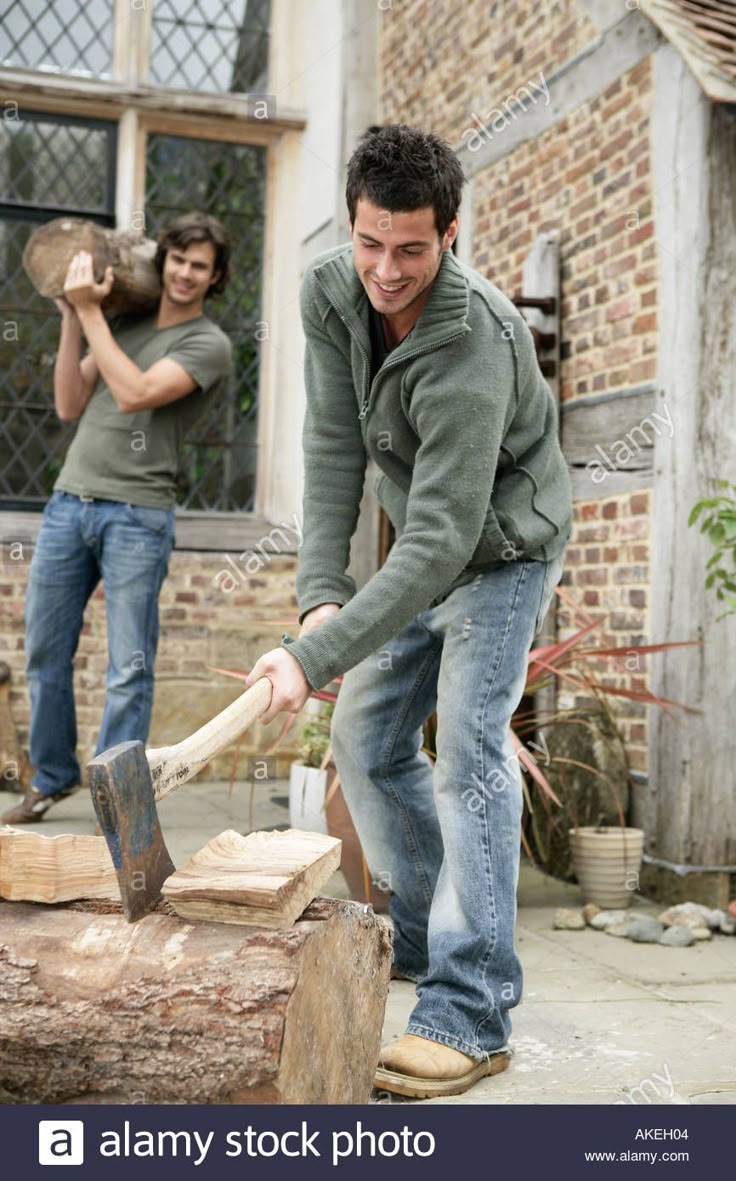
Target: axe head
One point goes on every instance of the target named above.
(122, 793)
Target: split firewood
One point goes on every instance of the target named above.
(263, 879)
(94, 1009)
(36, 868)
(51, 247)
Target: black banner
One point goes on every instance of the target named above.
(400, 1140)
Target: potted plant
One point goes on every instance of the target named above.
(607, 863)
(308, 774)
(588, 768)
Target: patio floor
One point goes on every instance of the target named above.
(603, 1020)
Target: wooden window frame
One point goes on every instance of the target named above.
(139, 109)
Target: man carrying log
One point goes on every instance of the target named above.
(421, 364)
(136, 393)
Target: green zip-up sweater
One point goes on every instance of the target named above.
(463, 429)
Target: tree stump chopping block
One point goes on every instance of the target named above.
(96, 1010)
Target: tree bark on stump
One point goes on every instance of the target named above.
(96, 1010)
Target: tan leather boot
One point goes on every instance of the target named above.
(422, 1069)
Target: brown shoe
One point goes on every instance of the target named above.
(422, 1069)
(34, 806)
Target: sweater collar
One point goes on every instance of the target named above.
(444, 314)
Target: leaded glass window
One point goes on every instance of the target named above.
(218, 471)
(215, 45)
(49, 165)
(58, 36)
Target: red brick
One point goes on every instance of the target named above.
(639, 503)
(626, 574)
(646, 323)
(591, 577)
(622, 307)
(619, 266)
(623, 620)
(610, 510)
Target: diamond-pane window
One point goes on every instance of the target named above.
(58, 36)
(218, 469)
(49, 165)
(210, 45)
(51, 162)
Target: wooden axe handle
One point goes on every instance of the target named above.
(173, 765)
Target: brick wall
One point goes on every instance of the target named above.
(441, 61)
(201, 625)
(589, 178)
(607, 572)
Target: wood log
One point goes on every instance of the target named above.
(36, 868)
(94, 1010)
(50, 249)
(263, 879)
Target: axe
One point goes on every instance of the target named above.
(126, 782)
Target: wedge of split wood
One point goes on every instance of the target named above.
(263, 879)
(36, 868)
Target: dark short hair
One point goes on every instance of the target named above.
(196, 227)
(401, 168)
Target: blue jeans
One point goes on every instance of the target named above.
(81, 542)
(445, 839)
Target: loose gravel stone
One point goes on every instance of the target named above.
(620, 930)
(645, 930)
(692, 914)
(607, 918)
(677, 936)
(569, 920)
(700, 933)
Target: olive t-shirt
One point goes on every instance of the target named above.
(134, 457)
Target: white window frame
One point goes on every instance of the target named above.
(140, 108)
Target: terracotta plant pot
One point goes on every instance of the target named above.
(607, 863)
(340, 824)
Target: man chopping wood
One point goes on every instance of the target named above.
(136, 393)
(420, 364)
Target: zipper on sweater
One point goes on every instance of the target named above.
(368, 394)
(428, 348)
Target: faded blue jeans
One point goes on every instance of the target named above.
(81, 542)
(445, 840)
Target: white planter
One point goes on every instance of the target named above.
(307, 786)
(607, 863)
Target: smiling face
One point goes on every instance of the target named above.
(397, 257)
(188, 274)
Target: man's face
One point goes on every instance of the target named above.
(397, 255)
(189, 271)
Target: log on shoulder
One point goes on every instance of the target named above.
(94, 1010)
(264, 878)
(51, 247)
(36, 868)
